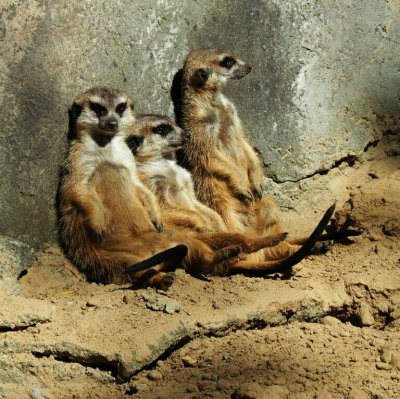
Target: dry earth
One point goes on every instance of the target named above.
(330, 330)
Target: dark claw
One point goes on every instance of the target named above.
(259, 193)
(248, 197)
(159, 226)
(201, 277)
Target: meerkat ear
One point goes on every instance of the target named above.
(75, 111)
(134, 142)
(73, 114)
(199, 78)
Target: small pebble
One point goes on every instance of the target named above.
(155, 375)
(365, 314)
(330, 321)
(383, 366)
(189, 361)
(36, 394)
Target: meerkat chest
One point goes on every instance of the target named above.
(229, 124)
(116, 152)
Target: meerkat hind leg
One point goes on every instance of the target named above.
(248, 245)
(279, 266)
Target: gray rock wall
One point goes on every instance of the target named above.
(325, 83)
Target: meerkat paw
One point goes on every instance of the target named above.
(322, 247)
(278, 238)
(163, 280)
(258, 192)
(246, 197)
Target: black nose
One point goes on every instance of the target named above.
(248, 68)
(187, 136)
(112, 124)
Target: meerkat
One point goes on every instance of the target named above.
(108, 220)
(158, 140)
(227, 171)
(155, 139)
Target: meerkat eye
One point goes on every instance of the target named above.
(98, 109)
(162, 129)
(228, 62)
(120, 108)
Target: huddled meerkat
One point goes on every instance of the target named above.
(172, 184)
(227, 171)
(108, 220)
(157, 140)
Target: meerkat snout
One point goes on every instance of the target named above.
(111, 123)
(187, 136)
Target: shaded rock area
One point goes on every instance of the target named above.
(15, 258)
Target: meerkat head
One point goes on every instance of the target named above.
(154, 137)
(209, 69)
(100, 111)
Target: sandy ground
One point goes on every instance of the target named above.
(331, 330)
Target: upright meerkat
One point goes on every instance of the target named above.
(227, 171)
(157, 140)
(108, 220)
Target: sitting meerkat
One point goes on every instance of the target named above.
(226, 169)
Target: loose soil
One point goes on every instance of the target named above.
(330, 330)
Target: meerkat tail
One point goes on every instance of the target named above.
(175, 253)
(262, 268)
(336, 235)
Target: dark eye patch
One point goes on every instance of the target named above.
(228, 62)
(98, 108)
(162, 129)
(120, 108)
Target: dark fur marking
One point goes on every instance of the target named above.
(73, 114)
(228, 62)
(199, 78)
(120, 109)
(97, 108)
(102, 140)
(134, 142)
(163, 129)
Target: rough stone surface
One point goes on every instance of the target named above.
(318, 94)
(15, 257)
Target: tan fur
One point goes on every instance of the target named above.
(108, 220)
(98, 218)
(173, 186)
(226, 169)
